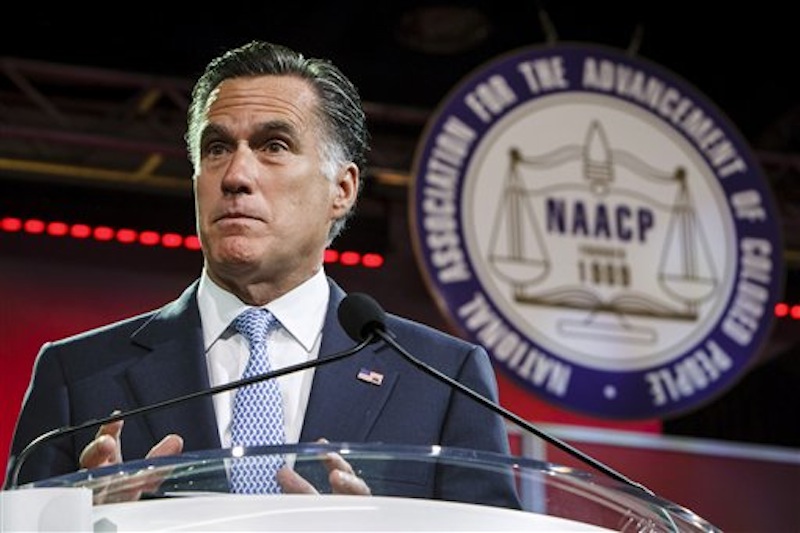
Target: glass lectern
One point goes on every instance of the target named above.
(190, 492)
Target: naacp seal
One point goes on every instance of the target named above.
(600, 227)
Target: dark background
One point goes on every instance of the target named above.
(405, 56)
(412, 52)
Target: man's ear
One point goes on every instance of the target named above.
(347, 183)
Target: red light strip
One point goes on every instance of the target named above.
(787, 310)
(35, 226)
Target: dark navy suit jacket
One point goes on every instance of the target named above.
(159, 355)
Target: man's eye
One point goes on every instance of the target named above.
(216, 148)
(274, 146)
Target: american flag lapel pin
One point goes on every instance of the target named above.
(370, 376)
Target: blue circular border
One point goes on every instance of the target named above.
(588, 383)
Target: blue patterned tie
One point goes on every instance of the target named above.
(257, 410)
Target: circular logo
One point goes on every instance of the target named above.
(600, 228)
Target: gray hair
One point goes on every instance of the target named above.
(340, 112)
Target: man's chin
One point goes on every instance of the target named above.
(235, 255)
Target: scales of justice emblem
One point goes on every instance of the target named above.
(593, 228)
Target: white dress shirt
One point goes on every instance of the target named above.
(301, 314)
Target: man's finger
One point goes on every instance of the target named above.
(105, 448)
(170, 445)
(341, 476)
(334, 461)
(150, 481)
(113, 429)
(102, 451)
(348, 483)
(293, 483)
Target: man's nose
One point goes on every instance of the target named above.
(242, 171)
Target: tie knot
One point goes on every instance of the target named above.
(255, 323)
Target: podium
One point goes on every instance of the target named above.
(190, 492)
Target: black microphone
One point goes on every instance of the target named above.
(23, 455)
(364, 320)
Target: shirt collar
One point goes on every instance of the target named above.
(300, 311)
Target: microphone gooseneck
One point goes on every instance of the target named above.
(371, 324)
(367, 339)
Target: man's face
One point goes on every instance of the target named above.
(263, 205)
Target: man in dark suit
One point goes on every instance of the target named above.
(278, 144)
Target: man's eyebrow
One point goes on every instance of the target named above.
(271, 129)
(215, 130)
(270, 126)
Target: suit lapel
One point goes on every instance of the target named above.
(175, 367)
(342, 407)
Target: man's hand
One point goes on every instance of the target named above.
(106, 449)
(341, 476)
